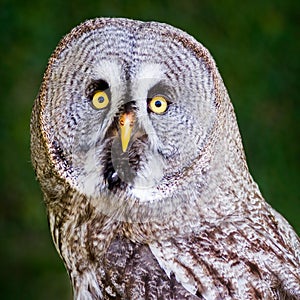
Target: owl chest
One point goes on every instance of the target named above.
(104, 264)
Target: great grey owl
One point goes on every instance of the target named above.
(137, 150)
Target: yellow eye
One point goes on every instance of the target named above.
(100, 100)
(158, 104)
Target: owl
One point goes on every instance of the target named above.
(136, 147)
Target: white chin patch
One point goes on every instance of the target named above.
(148, 177)
(151, 172)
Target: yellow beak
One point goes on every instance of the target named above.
(126, 122)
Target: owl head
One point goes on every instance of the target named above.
(135, 117)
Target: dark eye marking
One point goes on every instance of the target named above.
(97, 85)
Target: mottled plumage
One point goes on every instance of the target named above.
(168, 210)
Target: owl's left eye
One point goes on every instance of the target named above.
(158, 104)
(100, 100)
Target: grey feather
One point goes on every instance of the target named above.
(175, 216)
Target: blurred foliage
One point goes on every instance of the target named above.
(256, 45)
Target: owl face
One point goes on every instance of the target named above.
(128, 110)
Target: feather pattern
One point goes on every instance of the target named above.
(175, 216)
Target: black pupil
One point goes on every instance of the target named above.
(158, 103)
(101, 99)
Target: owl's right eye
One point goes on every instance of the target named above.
(158, 105)
(100, 100)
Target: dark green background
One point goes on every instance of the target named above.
(256, 45)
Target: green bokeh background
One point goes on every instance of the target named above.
(256, 45)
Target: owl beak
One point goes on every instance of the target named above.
(126, 122)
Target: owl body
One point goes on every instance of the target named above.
(136, 146)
